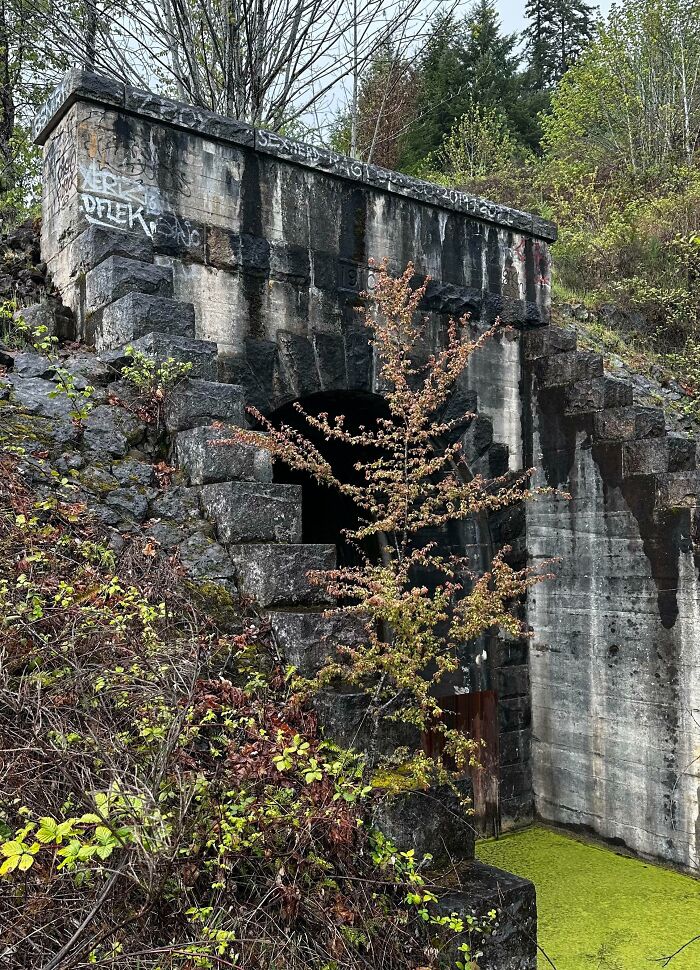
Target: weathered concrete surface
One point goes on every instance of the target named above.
(512, 945)
(615, 654)
(270, 240)
(434, 822)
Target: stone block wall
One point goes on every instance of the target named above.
(270, 239)
(248, 253)
(615, 652)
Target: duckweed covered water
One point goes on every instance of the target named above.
(599, 910)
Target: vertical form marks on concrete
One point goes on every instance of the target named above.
(494, 267)
(253, 283)
(531, 288)
(475, 242)
(353, 226)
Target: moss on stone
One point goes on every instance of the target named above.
(395, 779)
(599, 909)
(18, 427)
(222, 606)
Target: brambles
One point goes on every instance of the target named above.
(165, 800)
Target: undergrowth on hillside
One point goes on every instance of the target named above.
(165, 799)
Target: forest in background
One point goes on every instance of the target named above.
(592, 123)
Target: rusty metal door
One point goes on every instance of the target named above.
(476, 715)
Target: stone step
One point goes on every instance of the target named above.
(118, 275)
(546, 341)
(597, 394)
(97, 243)
(567, 367)
(647, 456)
(137, 314)
(308, 640)
(195, 403)
(254, 512)
(493, 463)
(353, 721)
(276, 575)
(672, 452)
(626, 423)
(477, 439)
(205, 461)
(682, 452)
(676, 490)
(202, 354)
(479, 889)
(434, 821)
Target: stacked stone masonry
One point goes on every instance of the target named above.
(614, 657)
(257, 525)
(194, 237)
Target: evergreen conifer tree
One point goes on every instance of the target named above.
(490, 57)
(557, 32)
(443, 92)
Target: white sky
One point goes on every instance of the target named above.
(512, 15)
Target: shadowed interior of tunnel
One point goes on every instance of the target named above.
(326, 512)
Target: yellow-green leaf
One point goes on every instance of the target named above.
(12, 848)
(9, 865)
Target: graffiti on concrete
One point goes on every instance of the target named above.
(61, 162)
(121, 201)
(118, 201)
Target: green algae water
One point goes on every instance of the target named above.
(598, 910)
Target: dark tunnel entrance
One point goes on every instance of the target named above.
(325, 512)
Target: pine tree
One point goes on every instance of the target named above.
(490, 57)
(557, 32)
(443, 92)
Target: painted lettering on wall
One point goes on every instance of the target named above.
(118, 201)
(171, 229)
(60, 165)
(542, 263)
(308, 154)
(51, 105)
(356, 277)
(143, 158)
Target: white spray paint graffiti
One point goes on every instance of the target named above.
(118, 201)
(179, 232)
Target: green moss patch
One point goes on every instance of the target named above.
(599, 910)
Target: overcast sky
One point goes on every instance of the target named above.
(512, 12)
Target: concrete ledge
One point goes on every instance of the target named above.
(79, 84)
(431, 822)
(248, 511)
(481, 888)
